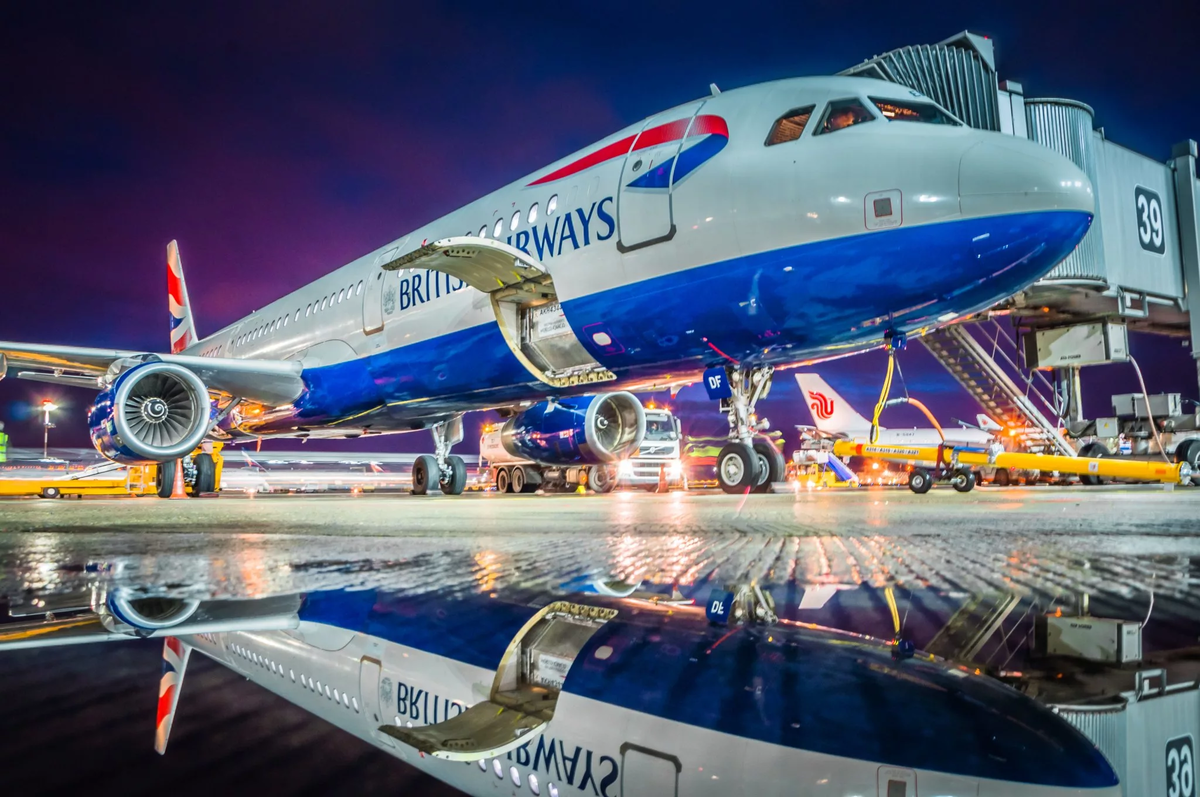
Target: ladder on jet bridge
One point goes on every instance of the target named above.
(986, 376)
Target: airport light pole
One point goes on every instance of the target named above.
(48, 407)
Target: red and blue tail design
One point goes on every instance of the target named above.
(700, 139)
(175, 659)
(183, 327)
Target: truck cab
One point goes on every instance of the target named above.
(659, 456)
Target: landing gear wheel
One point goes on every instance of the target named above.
(770, 465)
(1095, 450)
(1189, 451)
(206, 475)
(1001, 479)
(518, 479)
(963, 480)
(51, 492)
(736, 468)
(424, 474)
(602, 479)
(919, 481)
(503, 481)
(458, 476)
(164, 478)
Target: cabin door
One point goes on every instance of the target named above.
(648, 773)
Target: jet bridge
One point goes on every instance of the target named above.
(1138, 268)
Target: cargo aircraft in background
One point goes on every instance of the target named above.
(749, 230)
(609, 692)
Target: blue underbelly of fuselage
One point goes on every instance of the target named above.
(777, 307)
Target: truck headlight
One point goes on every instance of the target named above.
(625, 468)
(674, 470)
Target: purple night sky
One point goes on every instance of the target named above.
(279, 141)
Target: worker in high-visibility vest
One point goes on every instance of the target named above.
(3, 444)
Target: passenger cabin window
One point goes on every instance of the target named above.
(516, 219)
(790, 126)
(498, 230)
(533, 213)
(905, 111)
(844, 113)
(552, 205)
(483, 231)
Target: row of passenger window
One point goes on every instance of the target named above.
(531, 218)
(312, 309)
(312, 685)
(515, 774)
(851, 111)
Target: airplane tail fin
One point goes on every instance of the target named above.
(175, 659)
(987, 424)
(830, 412)
(183, 326)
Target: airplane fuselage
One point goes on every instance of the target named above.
(680, 242)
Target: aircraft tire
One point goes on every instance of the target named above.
(51, 492)
(164, 478)
(919, 481)
(206, 475)
(503, 481)
(963, 480)
(768, 459)
(736, 468)
(458, 476)
(424, 474)
(1095, 450)
(601, 479)
(1002, 478)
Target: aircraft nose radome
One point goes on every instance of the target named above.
(1004, 174)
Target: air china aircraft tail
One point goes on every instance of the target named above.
(183, 326)
(830, 412)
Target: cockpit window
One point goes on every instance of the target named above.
(789, 126)
(845, 113)
(905, 111)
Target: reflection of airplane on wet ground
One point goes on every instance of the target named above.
(316, 471)
(719, 239)
(613, 697)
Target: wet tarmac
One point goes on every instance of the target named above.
(838, 559)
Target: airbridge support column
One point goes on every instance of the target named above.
(1187, 205)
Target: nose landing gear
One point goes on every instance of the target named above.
(749, 461)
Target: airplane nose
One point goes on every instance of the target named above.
(1004, 174)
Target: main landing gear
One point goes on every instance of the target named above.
(441, 470)
(749, 462)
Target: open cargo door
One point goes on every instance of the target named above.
(524, 300)
(524, 693)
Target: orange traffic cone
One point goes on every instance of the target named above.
(177, 490)
(662, 479)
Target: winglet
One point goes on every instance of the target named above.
(183, 325)
(175, 659)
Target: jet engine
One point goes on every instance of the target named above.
(588, 430)
(145, 614)
(154, 412)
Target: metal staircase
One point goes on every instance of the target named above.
(990, 373)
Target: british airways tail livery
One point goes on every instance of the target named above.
(606, 696)
(749, 230)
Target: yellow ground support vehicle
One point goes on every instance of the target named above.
(954, 464)
(136, 480)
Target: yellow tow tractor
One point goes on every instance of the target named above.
(201, 475)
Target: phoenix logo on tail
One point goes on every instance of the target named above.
(821, 406)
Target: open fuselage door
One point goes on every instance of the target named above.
(524, 693)
(524, 300)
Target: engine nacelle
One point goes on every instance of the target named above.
(154, 412)
(589, 430)
(145, 614)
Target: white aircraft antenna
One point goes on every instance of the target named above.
(712, 87)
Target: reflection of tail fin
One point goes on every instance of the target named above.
(175, 659)
(830, 412)
(183, 326)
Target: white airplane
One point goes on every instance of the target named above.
(751, 228)
(610, 696)
(833, 415)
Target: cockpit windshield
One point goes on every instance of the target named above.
(904, 111)
(845, 113)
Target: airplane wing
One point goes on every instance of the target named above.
(271, 382)
(116, 619)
